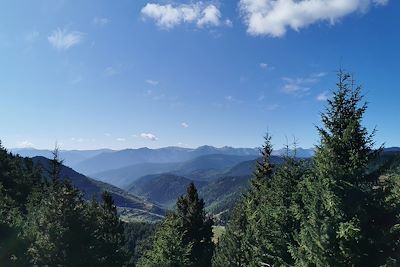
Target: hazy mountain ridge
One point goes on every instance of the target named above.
(69, 157)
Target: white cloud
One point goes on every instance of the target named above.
(323, 96)
(107, 134)
(274, 17)
(263, 65)
(121, 139)
(228, 23)
(152, 82)
(149, 136)
(184, 125)
(169, 16)
(209, 16)
(298, 86)
(63, 40)
(381, 2)
(110, 71)
(25, 144)
(100, 21)
(319, 75)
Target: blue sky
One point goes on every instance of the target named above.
(133, 73)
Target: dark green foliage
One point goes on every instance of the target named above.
(340, 208)
(169, 248)
(11, 245)
(198, 227)
(138, 237)
(107, 233)
(262, 225)
(232, 249)
(56, 227)
(47, 222)
(184, 238)
(18, 179)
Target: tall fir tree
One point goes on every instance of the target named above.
(188, 227)
(197, 225)
(169, 249)
(333, 214)
(107, 234)
(241, 244)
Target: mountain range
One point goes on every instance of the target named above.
(145, 182)
(120, 167)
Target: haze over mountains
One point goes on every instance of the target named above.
(122, 167)
(147, 181)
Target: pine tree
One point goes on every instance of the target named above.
(108, 241)
(57, 228)
(333, 213)
(241, 244)
(184, 237)
(169, 248)
(198, 227)
(18, 179)
(56, 223)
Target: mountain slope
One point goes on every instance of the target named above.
(162, 188)
(211, 166)
(92, 188)
(222, 194)
(125, 176)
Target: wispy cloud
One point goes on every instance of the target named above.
(184, 125)
(275, 17)
(168, 16)
(149, 136)
(319, 75)
(110, 71)
(100, 21)
(121, 139)
(63, 40)
(323, 96)
(152, 82)
(25, 144)
(298, 86)
(301, 86)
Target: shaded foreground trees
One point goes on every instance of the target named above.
(46, 221)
